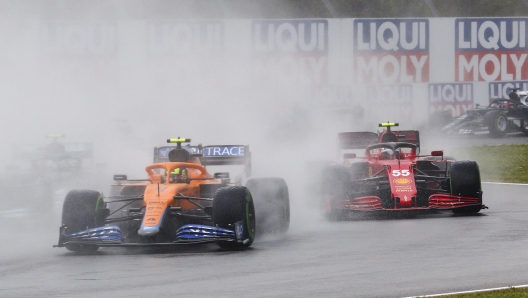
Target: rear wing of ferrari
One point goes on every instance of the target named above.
(363, 139)
(409, 136)
(356, 140)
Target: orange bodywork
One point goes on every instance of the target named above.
(160, 194)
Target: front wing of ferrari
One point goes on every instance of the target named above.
(436, 202)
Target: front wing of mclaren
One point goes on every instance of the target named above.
(187, 234)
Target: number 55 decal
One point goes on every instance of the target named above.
(397, 173)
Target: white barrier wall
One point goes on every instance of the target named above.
(390, 69)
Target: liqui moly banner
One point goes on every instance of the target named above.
(79, 39)
(185, 37)
(493, 49)
(456, 98)
(290, 51)
(389, 51)
(503, 89)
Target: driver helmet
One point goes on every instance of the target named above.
(518, 95)
(179, 175)
(523, 96)
(386, 154)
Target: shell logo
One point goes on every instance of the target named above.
(402, 181)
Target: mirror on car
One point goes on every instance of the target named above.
(437, 153)
(221, 175)
(120, 177)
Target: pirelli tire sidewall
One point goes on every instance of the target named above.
(497, 122)
(232, 204)
(82, 210)
(464, 177)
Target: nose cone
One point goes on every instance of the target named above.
(146, 231)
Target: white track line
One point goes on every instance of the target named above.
(468, 292)
(483, 290)
(505, 183)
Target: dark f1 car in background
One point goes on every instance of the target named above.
(57, 160)
(499, 118)
(36, 173)
(179, 203)
(392, 176)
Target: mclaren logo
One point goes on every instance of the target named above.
(402, 181)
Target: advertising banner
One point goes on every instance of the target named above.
(290, 51)
(491, 49)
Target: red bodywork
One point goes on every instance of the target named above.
(389, 182)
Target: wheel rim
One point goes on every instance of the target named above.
(502, 123)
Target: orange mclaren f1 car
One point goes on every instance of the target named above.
(180, 202)
(393, 177)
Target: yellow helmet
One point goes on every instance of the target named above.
(179, 171)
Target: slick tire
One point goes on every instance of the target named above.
(272, 204)
(230, 205)
(464, 177)
(497, 122)
(82, 210)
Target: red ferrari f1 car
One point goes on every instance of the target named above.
(392, 176)
(179, 202)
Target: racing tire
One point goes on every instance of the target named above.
(230, 205)
(464, 177)
(335, 186)
(522, 127)
(82, 210)
(497, 122)
(272, 204)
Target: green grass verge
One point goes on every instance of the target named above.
(507, 293)
(502, 163)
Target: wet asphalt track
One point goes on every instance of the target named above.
(360, 258)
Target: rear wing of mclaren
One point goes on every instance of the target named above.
(161, 154)
(213, 155)
(363, 139)
(219, 155)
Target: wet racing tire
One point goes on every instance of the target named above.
(497, 123)
(465, 181)
(230, 205)
(82, 210)
(272, 204)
